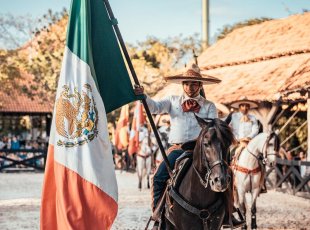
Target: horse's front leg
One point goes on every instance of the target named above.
(139, 170)
(253, 209)
(242, 206)
(253, 216)
(148, 170)
(148, 181)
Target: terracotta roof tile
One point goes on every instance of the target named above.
(14, 101)
(259, 61)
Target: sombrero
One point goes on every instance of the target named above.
(193, 74)
(244, 100)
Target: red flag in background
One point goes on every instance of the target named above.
(121, 132)
(138, 121)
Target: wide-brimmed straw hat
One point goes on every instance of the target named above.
(193, 74)
(244, 100)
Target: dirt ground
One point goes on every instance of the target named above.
(20, 204)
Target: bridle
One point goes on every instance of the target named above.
(262, 156)
(204, 180)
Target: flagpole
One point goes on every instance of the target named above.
(135, 78)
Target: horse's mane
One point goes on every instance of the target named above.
(223, 133)
(276, 141)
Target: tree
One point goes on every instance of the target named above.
(154, 58)
(227, 29)
(40, 56)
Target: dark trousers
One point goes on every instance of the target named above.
(161, 176)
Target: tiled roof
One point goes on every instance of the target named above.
(261, 62)
(13, 101)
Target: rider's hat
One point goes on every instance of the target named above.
(244, 100)
(192, 74)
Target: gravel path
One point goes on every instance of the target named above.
(20, 203)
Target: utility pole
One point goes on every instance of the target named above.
(205, 24)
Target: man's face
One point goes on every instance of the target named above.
(192, 88)
(244, 108)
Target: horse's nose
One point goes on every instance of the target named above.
(220, 180)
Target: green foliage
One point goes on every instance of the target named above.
(155, 58)
(42, 55)
(229, 28)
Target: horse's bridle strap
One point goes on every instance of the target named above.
(246, 170)
(201, 213)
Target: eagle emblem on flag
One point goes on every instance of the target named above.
(76, 116)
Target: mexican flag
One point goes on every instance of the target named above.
(80, 189)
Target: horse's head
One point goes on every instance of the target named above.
(271, 149)
(210, 154)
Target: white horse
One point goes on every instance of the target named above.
(144, 162)
(164, 133)
(249, 170)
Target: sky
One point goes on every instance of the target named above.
(139, 19)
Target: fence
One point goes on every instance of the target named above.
(288, 171)
(22, 158)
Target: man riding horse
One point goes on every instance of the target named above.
(184, 126)
(244, 125)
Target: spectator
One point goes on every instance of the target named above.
(28, 145)
(15, 143)
(302, 156)
(2, 144)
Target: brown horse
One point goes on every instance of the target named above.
(196, 200)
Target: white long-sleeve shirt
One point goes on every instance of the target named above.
(184, 126)
(244, 129)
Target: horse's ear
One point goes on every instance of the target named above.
(228, 118)
(202, 123)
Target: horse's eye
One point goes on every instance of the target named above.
(206, 143)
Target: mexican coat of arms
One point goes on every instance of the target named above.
(76, 116)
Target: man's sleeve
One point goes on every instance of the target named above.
(212, 113)
(234, 124)
(254, 131)
(159, 107)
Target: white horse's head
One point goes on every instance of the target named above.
(270, 149)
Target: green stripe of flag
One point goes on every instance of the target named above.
(91, 37)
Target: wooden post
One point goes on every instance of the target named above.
(264, 114)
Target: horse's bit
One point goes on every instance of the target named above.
(264, 155)
(205, 181)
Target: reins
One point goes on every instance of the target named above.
(205, 181)
(206, 213)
